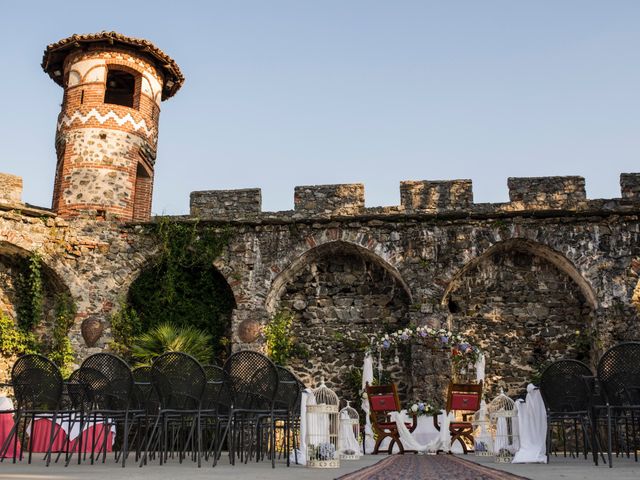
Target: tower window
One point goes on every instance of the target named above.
(121, 87)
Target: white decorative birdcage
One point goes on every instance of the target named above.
(503, 417)
(322, 428)
(349, 433)
(482, 441)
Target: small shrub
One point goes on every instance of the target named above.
(281, 344)
(167, 337)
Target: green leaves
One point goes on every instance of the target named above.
(167, 337)
(61, 352)
(30, 294)
(14, 340)
(277, 333)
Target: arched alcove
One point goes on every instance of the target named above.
(199, 296)
(340, 294)
(525, 305)
(21, 281)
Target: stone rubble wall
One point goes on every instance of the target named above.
(215, 203)
(586, 256)
(630, 186)
(10, 189)
(436, 196)
(341, 199)
(539, 193)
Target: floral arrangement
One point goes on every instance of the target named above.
(423, 408)
(462, 352)
(323, 451)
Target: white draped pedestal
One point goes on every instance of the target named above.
(532, 419)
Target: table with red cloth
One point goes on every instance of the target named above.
(6, 424)
(68, 427)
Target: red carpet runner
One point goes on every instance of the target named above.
(427, 467)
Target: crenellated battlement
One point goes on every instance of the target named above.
(417, 197)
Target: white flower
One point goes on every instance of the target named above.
(414, 408)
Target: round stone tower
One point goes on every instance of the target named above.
(107, 131)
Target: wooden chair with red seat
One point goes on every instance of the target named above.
(464, 400)
(383, 399)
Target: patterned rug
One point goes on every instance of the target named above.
(427, 467)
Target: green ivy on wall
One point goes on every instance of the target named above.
(14, 340)
(30, 293)
(19, 337)
(181, 288)
(60, 350)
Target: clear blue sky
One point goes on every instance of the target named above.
(285, 93)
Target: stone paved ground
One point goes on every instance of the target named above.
(559, 468)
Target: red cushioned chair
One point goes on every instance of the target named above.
(383, 399)
(464, 400)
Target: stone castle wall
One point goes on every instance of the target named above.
(518, 277)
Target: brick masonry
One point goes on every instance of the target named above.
(106, 152)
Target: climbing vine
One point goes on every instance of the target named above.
(60, 349)
(181, 288)
(30, 293)
(23, 335)
(14, 340)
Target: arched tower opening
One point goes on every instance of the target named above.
(120, 88)
(108, 126)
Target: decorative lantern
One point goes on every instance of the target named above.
(322, 428)
(349, 433)
(503, 417)
(482, 441)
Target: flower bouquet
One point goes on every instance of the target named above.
(423, 408)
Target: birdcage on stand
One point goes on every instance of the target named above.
(322, 428)
(482, 441)
(349, 433)
(503, 418)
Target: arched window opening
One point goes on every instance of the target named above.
(142, 195)
(120, 88)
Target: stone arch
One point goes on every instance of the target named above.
(212, 317)
(12, 264)
(296, 264)
(54, 280)
(525, 305)
(535, 248)
(340, 294)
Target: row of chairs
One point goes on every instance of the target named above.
(606, 404)
(174, 407)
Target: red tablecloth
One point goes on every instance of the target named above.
(6, 424)
(41, 436)
(42, 431)
(88, 438)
